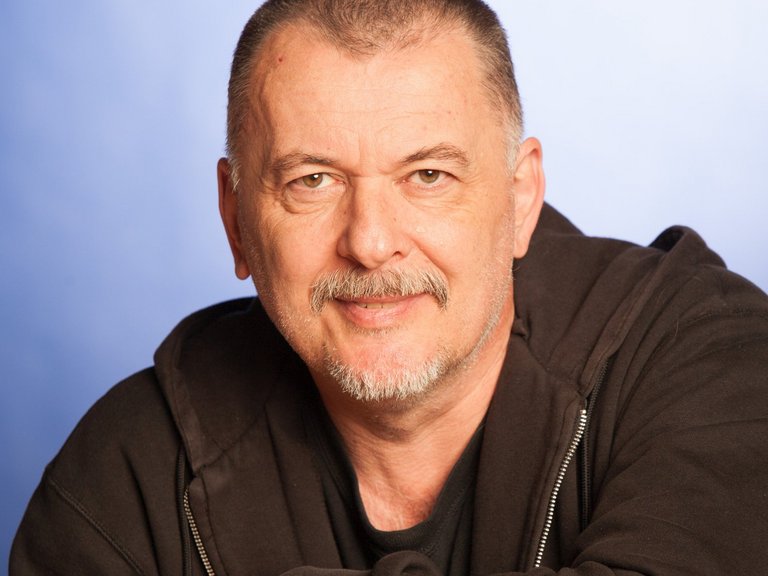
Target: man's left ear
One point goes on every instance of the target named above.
(528, 187)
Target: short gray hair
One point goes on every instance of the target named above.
(366, 27)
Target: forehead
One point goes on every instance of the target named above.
(305, 89)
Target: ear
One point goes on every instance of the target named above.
(528, 188)
(228, 208)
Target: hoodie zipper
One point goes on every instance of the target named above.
(586, 462)
(196, 536)
(181, 488)
(569, 454)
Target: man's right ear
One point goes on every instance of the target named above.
(228, 207)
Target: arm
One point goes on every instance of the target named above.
(107, 503)
(60, 535)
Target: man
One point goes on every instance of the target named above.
(392, 402)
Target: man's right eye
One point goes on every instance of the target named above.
(314, 181)
(313, 189)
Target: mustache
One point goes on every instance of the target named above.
(354, 283)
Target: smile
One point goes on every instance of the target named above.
(375, 305)
(380, 312)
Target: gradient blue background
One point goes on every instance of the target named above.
(112, 118)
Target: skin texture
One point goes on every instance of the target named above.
(393, 163)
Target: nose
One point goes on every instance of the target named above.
(374, 230)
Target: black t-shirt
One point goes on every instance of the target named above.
(445, 536)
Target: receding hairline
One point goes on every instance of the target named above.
(491, 56)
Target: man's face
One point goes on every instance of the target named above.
(361, 178)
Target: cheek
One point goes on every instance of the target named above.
(481, 243)
(289, 260)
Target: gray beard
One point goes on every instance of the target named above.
(374, 386)
(404, 385)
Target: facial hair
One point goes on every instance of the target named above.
(388, 383)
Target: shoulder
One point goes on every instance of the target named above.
(109, 492)
(590, 296)
(130, 426)
(690, 301)
(121, 454)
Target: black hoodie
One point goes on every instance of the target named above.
(628, 435)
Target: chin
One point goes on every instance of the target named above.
(387, 382)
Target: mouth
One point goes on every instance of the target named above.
(375, 305)
(378, 312)
(377, 291)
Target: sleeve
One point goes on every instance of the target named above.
(680, 461)
(107, 502)
(396, 564)
(59, 535)
(682, 468)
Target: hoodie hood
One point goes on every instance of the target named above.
(577, 296)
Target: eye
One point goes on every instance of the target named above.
(427, 176)
(313, 189)
(314, 181)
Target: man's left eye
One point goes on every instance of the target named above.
(427, 176)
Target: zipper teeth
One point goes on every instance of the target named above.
(558, 482)
(196, 536)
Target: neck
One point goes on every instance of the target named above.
(402, 453)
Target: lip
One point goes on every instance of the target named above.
(378, 313)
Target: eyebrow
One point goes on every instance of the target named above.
(443, 151)
(293, 160)
(446, 152)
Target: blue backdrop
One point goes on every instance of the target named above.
(112, 118)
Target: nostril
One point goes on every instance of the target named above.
(373, 228)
